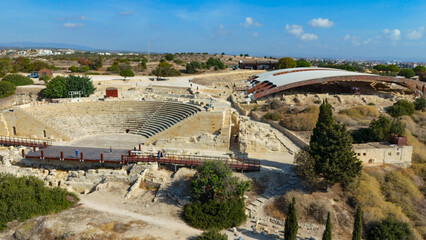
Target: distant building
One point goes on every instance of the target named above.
(42, 52)
(45, 72)
(375, 153)
(257, 65)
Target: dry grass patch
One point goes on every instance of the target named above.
(302, 121)
(361, 112)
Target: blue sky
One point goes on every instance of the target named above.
(343, 29)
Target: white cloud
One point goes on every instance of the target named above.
(255, 34)
(347, 37)
(82, 18)
(73, 25)
(294, 29)
(416, 34)
(250, 22)
(393, 35)
(309, 37)
(218, 31)
(221, 26)
(321, 23)
(298, 32)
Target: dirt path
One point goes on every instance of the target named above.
(170, 225)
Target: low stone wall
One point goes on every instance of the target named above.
(237, 106)
(299, 142)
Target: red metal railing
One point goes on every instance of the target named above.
(185, 160)
(28, 142)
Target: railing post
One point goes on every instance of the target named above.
(23, 153)
(81, 157)
(42, 154)
(44, 144)
(122, 159)
(129, 153)
(34, 148)
(62, 156)
(134, 148)
(140, 147)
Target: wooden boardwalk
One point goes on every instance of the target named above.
(124, 156)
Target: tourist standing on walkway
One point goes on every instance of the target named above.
(158, 155)
(76, 152)
(110, 149)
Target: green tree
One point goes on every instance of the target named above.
(420, 103)
(419, 68)
(302, 63)
(73, 69)
(357, 231)
(390, 229)
(5, 66)
(392, 68)
(80, 83)
(328, 229)
(59, 86)
(45, 79)
(212, 234)
(164, 69)
(286, 62)
(383, 128)
(38, 65)
(422, 76)
(56, 88)
(401, 108)
(22, 64)
(18, 79)
(6, 89)
(169, 57)
(406, 72)
(304, 166)
(215, 62)
(217, 198)
(127, 73)
(291, 225)
(331, 147)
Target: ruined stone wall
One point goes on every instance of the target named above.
(27, 125)
(205, 130)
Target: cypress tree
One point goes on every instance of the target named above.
(357, 232)
(327, 231)
(331, 147)
(291, 225)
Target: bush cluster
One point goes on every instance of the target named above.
(361, 112)
(59, 86)
(401, 108)
(380, 129)
(390, 228)
(274, 116)
(18, 80)
(212, 234)
(215, 214)
(217, 198)
(24, 197)
(6, 89)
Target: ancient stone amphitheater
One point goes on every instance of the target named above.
(78, 119)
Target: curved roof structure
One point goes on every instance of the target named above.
(270, 82)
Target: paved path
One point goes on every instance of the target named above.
(88, 153)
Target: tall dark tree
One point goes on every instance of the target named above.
(291, 225)
(331, 147)
(357, 232)
(327, 231)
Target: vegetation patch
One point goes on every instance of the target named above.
(361, 112)
(18, 80)
(59, 86)
(25, 197)
(217, 198)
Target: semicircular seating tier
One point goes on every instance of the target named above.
(146, 118)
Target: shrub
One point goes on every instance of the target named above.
(371, 104)
(400, 108)
(24, 197)
(275, 116)
(390, 228)
(317, 101)
(215, 214)
(18, 80)
(420, 103)
(127, 73)
(45, 79)
(212, 234)
(169, 57)
(216, 63)
(59, 86)
(304, 166)
(6, 89)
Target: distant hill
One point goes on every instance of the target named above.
(44, 45)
